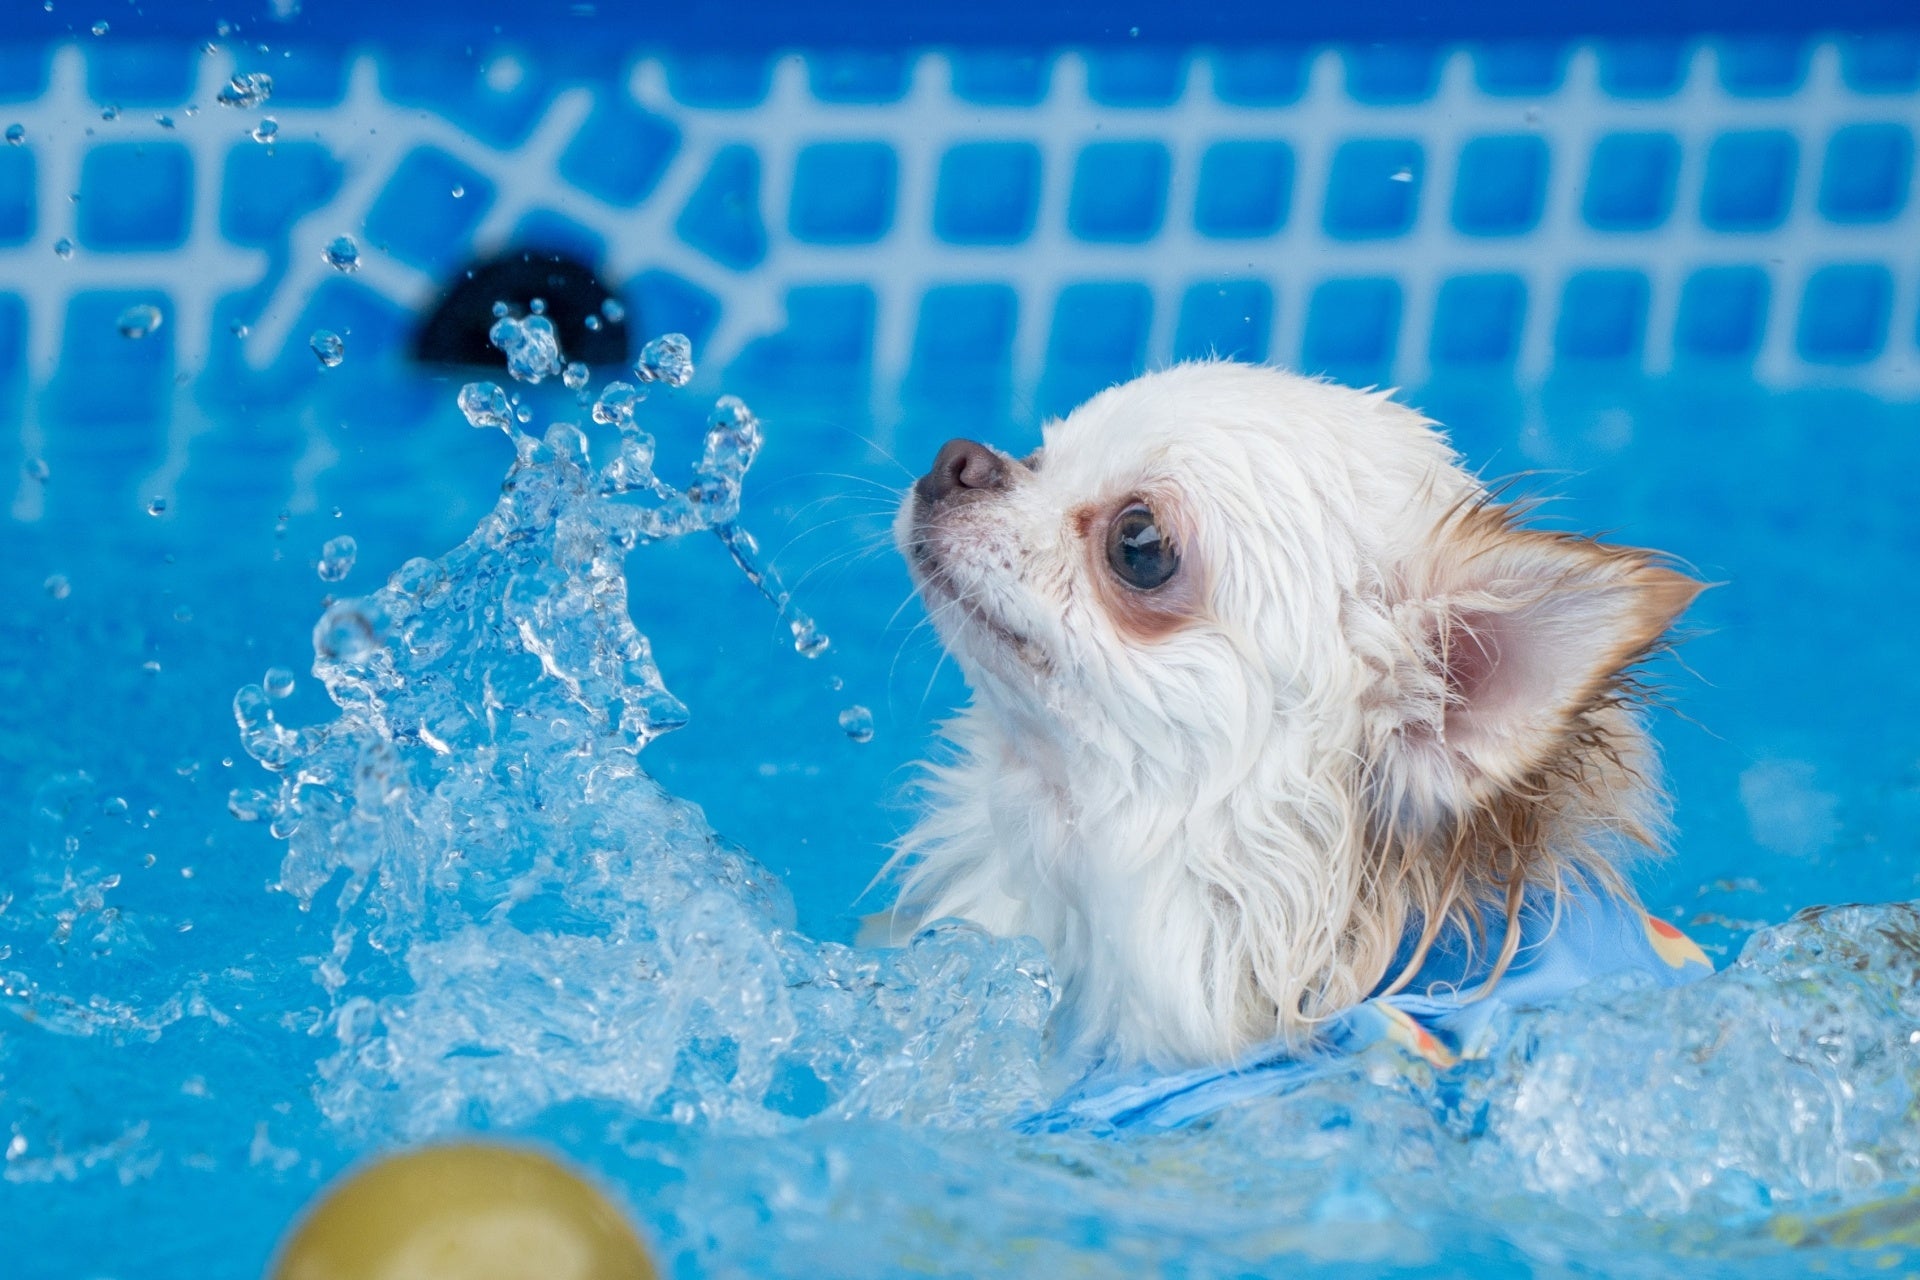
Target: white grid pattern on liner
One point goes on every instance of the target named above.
(372, 136)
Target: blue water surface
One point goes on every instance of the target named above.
(250, 935)
(174, 1067)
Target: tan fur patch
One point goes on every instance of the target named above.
(1523, 834)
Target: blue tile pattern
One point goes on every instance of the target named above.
(135, 196)
(1245, 188)
(1478, 320)
(19, 209)
(1867, 171)
(1500, 185)
(1017, 226)
(1749, 180)
(1602, 315)
(428, 209)
(988, 193)
(1843, 319)
(1630, 181)
(1119, 191)
(843, 192)
(1723, 313)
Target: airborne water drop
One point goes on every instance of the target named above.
(328, 348)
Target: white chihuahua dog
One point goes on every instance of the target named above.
(1264, 682)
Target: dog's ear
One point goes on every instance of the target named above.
(1516, 637)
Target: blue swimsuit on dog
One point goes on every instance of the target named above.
(1438, 1017)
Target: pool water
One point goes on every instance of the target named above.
(491, 883)
(185, 1063)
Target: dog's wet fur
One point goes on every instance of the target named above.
(1263, 682)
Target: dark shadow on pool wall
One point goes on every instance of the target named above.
(592, 324)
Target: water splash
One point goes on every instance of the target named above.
(1791, 1076)
(523, 915)
(531, 346)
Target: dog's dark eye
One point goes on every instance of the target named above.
(1137, 549)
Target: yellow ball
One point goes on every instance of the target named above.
(465, 1211)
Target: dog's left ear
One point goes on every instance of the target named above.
(1515, 636)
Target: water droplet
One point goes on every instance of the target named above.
(101, 28)
(459, 193)
(183, 614)
(240, 330)
(538, 306)
(668, 358)
(266, 129)
(38, 469)
(165, 122)
(531, 346)
(249, 90)
(612, 310)
(1402, 174)
(809, 641)
(485, 405)
(114, 807)
(616, 404)
(63, 247)
(157, 507)
(278, 682)
(139, 320)
(835, 683)
(336, 558)
(500, 310)
(593, 324)
(57, 586)
(328, 348)
(857, 723)
(110, 112)
(16, 134)
(342, 254)
(574, 376)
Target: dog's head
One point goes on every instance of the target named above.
(1321, 679)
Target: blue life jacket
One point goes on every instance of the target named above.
(1438, 1017)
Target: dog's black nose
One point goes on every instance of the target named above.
(962, 465)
